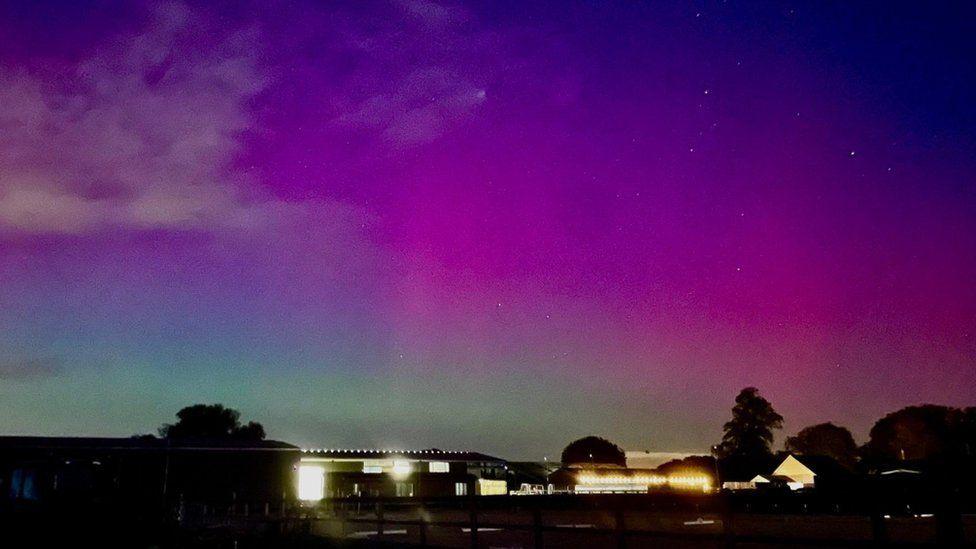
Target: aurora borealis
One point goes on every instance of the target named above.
(485, 225)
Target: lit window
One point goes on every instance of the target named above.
(404, 489)
(460, 488)
(311, 482)
(440, 467)
(372, 469)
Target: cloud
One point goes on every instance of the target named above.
(420, 74)
(142, 134)
(434, 14)
(424, 105)
(28, 369)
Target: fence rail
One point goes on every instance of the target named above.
(608, 515)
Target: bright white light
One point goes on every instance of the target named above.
(311, 482)
(401, 468)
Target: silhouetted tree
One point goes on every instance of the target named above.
(697, 464)
(252, 431)
(593, 450)
(750, 432)
(913, 433)
(964, 428)
(211, 421)
(824, 439)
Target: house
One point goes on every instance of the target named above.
(794, 473)
(398, 473)
(797, 473)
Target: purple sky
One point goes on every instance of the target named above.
(484, 225)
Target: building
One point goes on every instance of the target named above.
(622, 480)
(798, 473)
(225, 473)
(51, 471)
(398, 473)
(530, 476)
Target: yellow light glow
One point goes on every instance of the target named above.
(620, 481)
(311, 482)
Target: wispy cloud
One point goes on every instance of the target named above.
(142, 134)
(421, 107)
(415, 81)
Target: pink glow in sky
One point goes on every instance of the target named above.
(484, 225)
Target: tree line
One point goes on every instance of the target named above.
(926, 435)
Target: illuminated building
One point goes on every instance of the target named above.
(400, 473)
(620, 480)
(798, 473)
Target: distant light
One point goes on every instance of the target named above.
(621, 482)
(311, 482)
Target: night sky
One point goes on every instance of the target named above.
(490, 226)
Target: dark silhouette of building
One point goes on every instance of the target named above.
(144, 471)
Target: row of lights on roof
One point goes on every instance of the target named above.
(367, 451)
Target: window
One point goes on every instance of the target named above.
(440, 467)
(372, 469)
(404, 489)
(460, 488)
(22, 484)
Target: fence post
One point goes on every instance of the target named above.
(473, 520)
(620, 528)
(379, 519)
(537, 527)
(423, 526)
(727, 528)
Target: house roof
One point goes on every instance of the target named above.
(432, 454)
(823, 467)
(138, 443)
(792, 467)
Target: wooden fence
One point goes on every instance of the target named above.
(476, 517)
